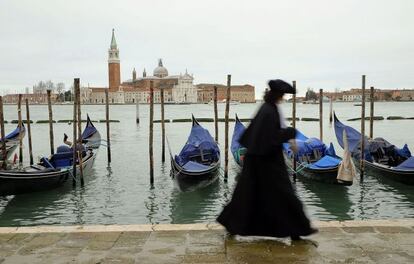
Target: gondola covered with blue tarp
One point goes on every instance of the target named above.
(236, 148)
(49, 172)
(381, 158)
(199, 158)
(314, 160)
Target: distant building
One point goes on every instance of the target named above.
(177, 88)
(403, 95)
(39, 98)
(240, 93)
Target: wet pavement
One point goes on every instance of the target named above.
(389, 241)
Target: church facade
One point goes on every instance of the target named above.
(177, 88)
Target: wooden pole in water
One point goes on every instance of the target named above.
(79, 119)
(226, 129)
(81, 167)
(321, 114)
(151, 132)
(49, 104)
(331, 110)
(78, 111)
(137, 110)
(162, 125)
(76, 80)
(215, 113)
(3, 143)
(294, 126)
(19, 114)
(362, 168)
(29, 132)
(108, 141)
(371, 114)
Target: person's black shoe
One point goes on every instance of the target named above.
(295, 238)
(65, 137)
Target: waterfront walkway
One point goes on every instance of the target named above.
(389, 241)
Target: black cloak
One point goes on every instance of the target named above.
(264, 202)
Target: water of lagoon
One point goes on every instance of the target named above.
(122, 194)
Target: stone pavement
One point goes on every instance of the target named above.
(389, 241)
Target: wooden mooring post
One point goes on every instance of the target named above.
(331, 110)
(226, 129)
(75, 109)
(108, 140)
(162, 125)
(321, 114)
(215, 114)
(29, 132)
(294, 126)
(79, 120)
(362, 167)
(371, 113)
(20, 124)
(151, 133)
(3, 143)
(49, 105)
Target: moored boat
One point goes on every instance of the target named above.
(236, 148)
(381, 158)
(199, 159)
(314, 160)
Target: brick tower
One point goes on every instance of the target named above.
(114, 66)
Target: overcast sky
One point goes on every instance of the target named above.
(320, 43)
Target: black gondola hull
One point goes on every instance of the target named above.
(17, 183)
(406, 177)
(321, 175)
(182, 175)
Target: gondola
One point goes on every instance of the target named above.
(91, 136)
(48, 173)
(236, 148)
(199, 159)
(381, 158)
(314, 160)
(12, 140)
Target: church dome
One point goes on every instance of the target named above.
(160, 71)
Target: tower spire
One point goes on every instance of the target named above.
(160, 62)
(113, 40)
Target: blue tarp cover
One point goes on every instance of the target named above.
(239, 129)
(195, 167)
(406, 165)
(305, 145)
(199, 141)
(325, 162)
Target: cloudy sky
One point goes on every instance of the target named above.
(320, 43)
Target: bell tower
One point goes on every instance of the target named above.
(114, 66)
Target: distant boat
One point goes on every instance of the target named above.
(224, 101)
(310, 102)
(381, 157)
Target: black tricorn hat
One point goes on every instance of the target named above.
(280, 86)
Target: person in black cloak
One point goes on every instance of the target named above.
(264, 202)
